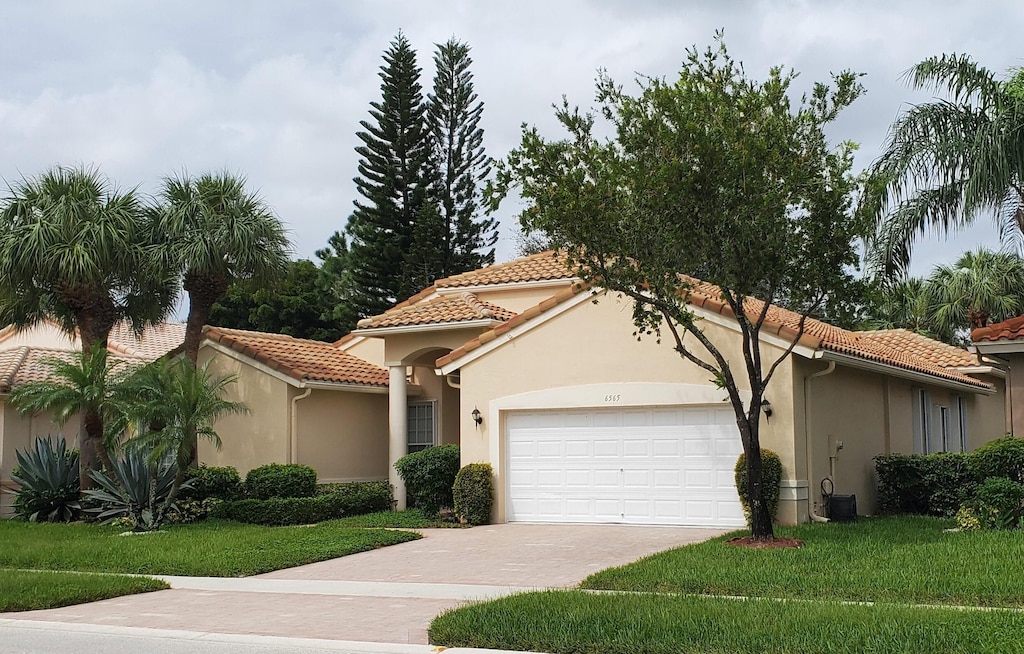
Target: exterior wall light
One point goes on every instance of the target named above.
(477, 418)
(766, 406)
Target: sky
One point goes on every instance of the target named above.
(275, 90)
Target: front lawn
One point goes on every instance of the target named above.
(584, 623)
(904, 559)
(23, 590)
(205, 549)
(407, 519)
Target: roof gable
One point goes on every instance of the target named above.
(447, 309)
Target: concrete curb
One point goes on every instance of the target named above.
(468, 592)
(348, 647)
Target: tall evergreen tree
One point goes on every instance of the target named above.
(394, 153)
(458, 165)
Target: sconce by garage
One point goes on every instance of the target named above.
(766, 406)
(477, 418)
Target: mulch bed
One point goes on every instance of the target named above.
(761, 544)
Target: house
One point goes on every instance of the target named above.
(24, 356)
(528, 370)
(1005, 341)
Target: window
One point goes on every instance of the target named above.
(922, 421)
(944, 426)
(961, 409)
(421, 425)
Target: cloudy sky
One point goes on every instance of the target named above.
(275, 90)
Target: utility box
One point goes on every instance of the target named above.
(842, 508)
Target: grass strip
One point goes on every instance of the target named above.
(22, 590)
(909, 560)
(207, 549)
(574, 622)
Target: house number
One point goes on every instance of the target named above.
(612, 398)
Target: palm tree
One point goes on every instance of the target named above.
(75, 250)
(949, 160)
(185, 401)
(85, 383)
(981, 287)
(902, 304)
(217, 231)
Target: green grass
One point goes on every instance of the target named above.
(582, 623)
(206, 549)
(408, 519)
(22, 590)
(905, 559)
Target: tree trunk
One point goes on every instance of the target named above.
(93, 331)
(203, 292)
(761, 527)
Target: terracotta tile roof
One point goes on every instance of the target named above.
(461, 307)
(514, 322)
(154, 342)
(298, 358)
(925, 356)
(1007, 330)
(937, 352)
(534, 268)
(24, 364)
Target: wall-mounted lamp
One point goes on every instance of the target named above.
(477, 418)
(766, 406)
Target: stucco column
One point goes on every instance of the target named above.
(398, 443)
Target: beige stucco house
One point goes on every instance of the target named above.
(1004, 341)
(24, 356)
(543, 379)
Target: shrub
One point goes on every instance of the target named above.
(48, 480)
(473, 493)
(187, 511)
(360, 496)
(222, 483)
(283, 511)
(771, 476)
(136, 488)
(281, 481)
(429, 476)
(998, 503)
(1003, 457)
(924, 484)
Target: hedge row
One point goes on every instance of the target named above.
(938, 484)
(342, 500)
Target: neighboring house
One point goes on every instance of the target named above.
(1005, 340)
(23, 358)
(583, 423)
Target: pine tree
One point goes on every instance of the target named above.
(391, 181)
(459, 163)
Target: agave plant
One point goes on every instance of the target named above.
(136, 488)
(48, 478)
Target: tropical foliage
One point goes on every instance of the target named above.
(47, 478)
(714, 175)
(136, 487)
(950, 160)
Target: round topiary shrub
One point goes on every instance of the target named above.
(429, 476)
(218, 482)
(771, 477)
(281, 480)
(473, 493)
(1003, 457)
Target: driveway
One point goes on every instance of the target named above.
(387, 595)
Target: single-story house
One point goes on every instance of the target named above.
(1004, 341)
(528, 370)
(23, 357)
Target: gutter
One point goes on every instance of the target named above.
(896, 371)
(808, 440)
(293, 427)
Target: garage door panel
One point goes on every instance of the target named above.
(650, 466)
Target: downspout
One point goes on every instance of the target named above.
(807, 435)
(293, 428)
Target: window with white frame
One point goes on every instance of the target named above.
(961, 410)
(945, 428)
(422, 425)
(921, 421)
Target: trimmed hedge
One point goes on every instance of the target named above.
(473, 493)
(771, 477)
(221, 483)
(1003, 457)
(281, 480)
(331, 501)
(429, 476)
(924, 484)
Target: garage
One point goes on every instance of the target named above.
(644, 466)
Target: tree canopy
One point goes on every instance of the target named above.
(714, 177)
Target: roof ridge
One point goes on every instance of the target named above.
(476, 304)
(8, 381)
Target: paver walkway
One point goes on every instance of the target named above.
(387, 595)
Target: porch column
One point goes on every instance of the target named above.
(398, 443)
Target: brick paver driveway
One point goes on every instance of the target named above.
(390, 594)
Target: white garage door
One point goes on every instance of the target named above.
(664, 466)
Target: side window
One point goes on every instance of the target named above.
(961, 410)
(921, 421)
(421, 425)
(945, 427)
